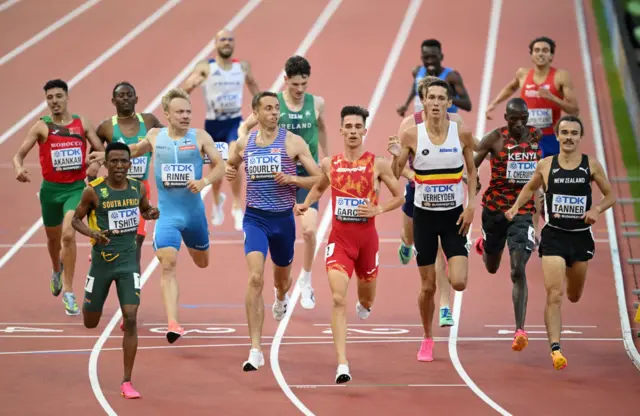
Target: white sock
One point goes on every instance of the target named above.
(306, 277)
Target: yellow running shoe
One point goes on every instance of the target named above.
(559, 362)
(520, 340)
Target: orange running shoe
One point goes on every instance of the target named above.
(559, 362)
(520, 340)
(174, 332)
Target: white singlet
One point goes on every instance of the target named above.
(223, 91)
(438, 171)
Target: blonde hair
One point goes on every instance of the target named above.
(172, 94)
(424, 84)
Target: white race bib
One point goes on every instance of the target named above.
(124, 220)
(346, 209)
(438, 197)
(263, 167)
(227, 104)
(138, 167)
(540, 117)
(69, 158)
(568, 206)
(521, 171)
(223, 148)
(176, 175)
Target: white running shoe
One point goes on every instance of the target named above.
(238, 216)
(217, 212)
(255, 361)
(363, 313)
(307, 298)
(342, 374)
(279, 308)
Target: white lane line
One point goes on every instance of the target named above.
(4, 6)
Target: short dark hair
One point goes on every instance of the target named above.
(354, 110)
(116, 146)
(551, 42)
(120, 84)
(56, 83)
(440, 83)
(517, 104)
(297, 65)
(431, 43)
(571, 119)
(255, 103)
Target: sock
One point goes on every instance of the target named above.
(555, 346)
(306, 277)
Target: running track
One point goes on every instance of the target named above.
(361, 56)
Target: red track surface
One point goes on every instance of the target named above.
(202, 371)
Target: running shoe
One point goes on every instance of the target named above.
(238, 217)
(56, 281)
(479, 245)
(128, 392)
(445, 317)
(279, 307)
(174, 331)
(363, 313)
(559, 362)
(255, 361)
(70, 305)
(217, 213)
(426, 350)
(520, 340)
(404, 252)
(342, 374)
(307, 298)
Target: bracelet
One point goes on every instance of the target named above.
(206, 181)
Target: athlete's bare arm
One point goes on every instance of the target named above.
(318, 188)
(151, 121)
(143, 146)
(297, 149)
(412, 93)
(466, 218)
(538, 179)
(461, 97)
(90, 134)
(147, 211)
(249, 79)
(39, 131)
(197, 77)
(88, 202)
(386, 176)
(568, 104)
(104, 132)
(246, 126)
(511, 88)
(235, 158)
(322, 128)
(490, 144)
(208, 147)
(408, 141)
(599, 176)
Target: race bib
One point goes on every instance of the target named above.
(521, 171)
(138, 167)
(69, 158)
(437, 197)
(123, 221)
(346, 209)
(223, 148)
(227, 104)
(568, 206)
(540, 117)
(176, 175)
(263, 167)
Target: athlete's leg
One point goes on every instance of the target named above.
(196, 237)
(554, 271)
(237, 209)
(405, 251)
(454, 246)
(366, 268)
(282, 240)
(52, 215)
(309, 222)
(96, 290)
(443, 286)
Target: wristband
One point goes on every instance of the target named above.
(206, 181)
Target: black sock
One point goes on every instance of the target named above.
(555, 346)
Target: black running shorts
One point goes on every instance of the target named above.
(429, 226)
(497, 230)
(572, 246)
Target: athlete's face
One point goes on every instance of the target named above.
(569, 135)
(268, 112)
(118, 164)
(297, 86)
(432, 60)
(179, 114)
(517, 122)
(225, 43)
(353, 130)
(541, 54)
(125, 99)
(436, 101)
(57, 100)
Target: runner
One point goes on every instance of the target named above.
(270, 156)
(178, 153)
(548, 92)
(302, 114)
(567, 239)
(114, 205)
(130, 127)
(354, 177)
(431, 56)
(62, 140)
(222, 79)
(515, 153)
(441, 149)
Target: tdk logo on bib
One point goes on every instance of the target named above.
(263, 167)
(67, 159)
(568, 206)
(124, 220)
(347, 209)
(177, 174)
(438, 196)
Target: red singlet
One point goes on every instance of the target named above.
(511, 169)
(543, 113)
(63, 154)
(353, 243)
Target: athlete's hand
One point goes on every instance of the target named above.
(96, 157)
(300, 209)
(196, 186)
(511, 213)
(230, 172)
(368, 211)
(92, 169)
(402, 110)
(152, 213)
(101, 237)
(283, 179)
(591, 216)
(22, 175)
(465, 220)
(487, 113)
(393, 146)
(545, 93)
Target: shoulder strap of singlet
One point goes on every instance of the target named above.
(417, 116)
(96, 181)
(46, 119)
(75, 116)
(446, 71)
(212, 60)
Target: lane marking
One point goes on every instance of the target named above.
(540, 326)
(629, 344)
(381, 86)
(48, 30)
(510, 331)
(351, 385)
(4, 6)
(238, 18)
(487, 76)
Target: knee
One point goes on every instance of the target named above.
(168, 263)
(428, 285)
(256, 281)
(308, 232)
(130, 322)
(90, 321)
(339, 300)
(517, 272)
(554, 295)
(201, 261)
(68, 237)
(459, 285)
(574, 297)
(492, 268)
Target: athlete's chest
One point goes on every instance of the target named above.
(516, 161)
(130, 129)
(226, 79)
(355, 178)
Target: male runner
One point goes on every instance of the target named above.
(567, 240)
(114, 205)
(130, 127)
(222, 79)
(354, 177)
(441, 149)
(270, 155)
(178, 152)
(515, 153)
(431, 56)
(62, 140)
(302, 114)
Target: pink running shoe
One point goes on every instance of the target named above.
(128, 392)
(426, 350)
(479, 245)
(174, 332)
